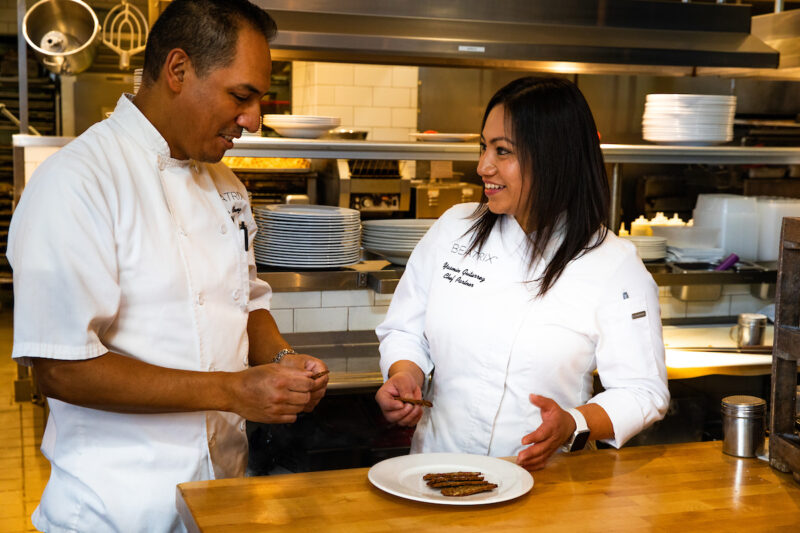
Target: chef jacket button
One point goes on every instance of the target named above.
(235, 294)
(242, 426)
(200, 299)
(223, 229)
(182, 231)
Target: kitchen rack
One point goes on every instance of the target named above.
(614, 154)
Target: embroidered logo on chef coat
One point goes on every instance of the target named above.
(461, 249)
(234, 202)
(465, 276)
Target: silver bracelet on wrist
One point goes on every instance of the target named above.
(279, 355)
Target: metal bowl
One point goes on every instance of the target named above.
(353, 135)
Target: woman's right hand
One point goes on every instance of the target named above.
(400, 385)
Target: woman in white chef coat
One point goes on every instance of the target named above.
(516, 301)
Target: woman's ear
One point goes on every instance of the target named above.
(176, 66)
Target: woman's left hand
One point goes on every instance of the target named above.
(557, 426)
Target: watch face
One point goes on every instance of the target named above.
(580, 441)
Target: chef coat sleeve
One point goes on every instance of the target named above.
(62, 250)
(260, 291)
(630, 353)
(402, 333)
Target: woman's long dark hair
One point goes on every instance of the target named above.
(558, 149)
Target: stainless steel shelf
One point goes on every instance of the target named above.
(336, 149)
(378, 275)
(613, 153)
(716, 155)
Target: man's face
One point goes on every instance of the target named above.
(214, 109)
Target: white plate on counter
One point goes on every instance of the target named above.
(402, 476)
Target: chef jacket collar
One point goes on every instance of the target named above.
(133, 122)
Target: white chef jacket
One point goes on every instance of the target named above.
(492, 341)
(118, 247)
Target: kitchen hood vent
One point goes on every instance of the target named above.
(780, 31)
(565, 36)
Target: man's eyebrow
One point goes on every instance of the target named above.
(252, 89)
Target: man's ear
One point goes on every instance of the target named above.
(176, 67)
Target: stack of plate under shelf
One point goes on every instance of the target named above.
(307, 236)
(649, 248)
(394, 239)
(688, 119)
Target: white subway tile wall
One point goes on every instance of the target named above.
(292, 300)
(347, 298)
(381, 99)
(362, 318)
(382, 299)
(744, 303)
(284, 319)
(308, 320)
(721, 307)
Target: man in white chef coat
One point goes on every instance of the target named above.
(136, 296)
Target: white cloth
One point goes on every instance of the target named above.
(117, 247)
(492, 342)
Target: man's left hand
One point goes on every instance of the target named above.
(313, 366)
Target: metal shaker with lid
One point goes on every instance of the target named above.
(743, 425)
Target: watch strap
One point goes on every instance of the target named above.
(580, 420)
(279, 355)
(580, 436)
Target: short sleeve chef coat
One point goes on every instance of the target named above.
(117, 247)
(492, 342)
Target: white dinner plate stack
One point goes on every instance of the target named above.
(394, 239)
(302, 126)
(649, 248)
(307, 236)
(688, 119)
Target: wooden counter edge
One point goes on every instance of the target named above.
(183, 511)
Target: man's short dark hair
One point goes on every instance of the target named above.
(206, 30)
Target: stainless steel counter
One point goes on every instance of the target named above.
(382, 277)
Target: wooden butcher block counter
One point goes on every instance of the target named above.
(678, 487)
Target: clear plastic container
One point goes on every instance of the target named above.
(737, 219)
(770, 217)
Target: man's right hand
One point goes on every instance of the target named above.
(272, 394)
(400, 385)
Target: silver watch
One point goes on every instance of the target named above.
(279, 355)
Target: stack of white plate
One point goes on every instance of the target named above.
(649, 248)
(394, 239)
(307, 236)
(302, 126)
(689, 119)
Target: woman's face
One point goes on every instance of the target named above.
(504, 185)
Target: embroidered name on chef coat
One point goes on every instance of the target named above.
(465, 277)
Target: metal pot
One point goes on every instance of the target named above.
(64, 34)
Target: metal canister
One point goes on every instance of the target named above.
(743, 425)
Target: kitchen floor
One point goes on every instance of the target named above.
(23, 469)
